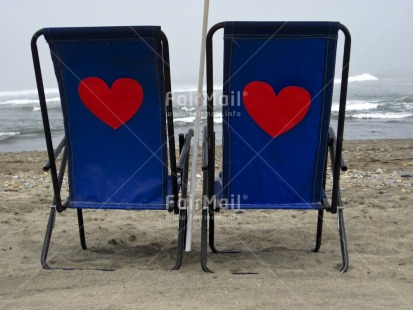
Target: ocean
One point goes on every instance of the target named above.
(378, 107)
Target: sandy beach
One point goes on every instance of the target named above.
(275, 269)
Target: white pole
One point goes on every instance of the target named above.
(195, 145)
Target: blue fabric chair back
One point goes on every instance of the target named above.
(112, 88)
(278, 87)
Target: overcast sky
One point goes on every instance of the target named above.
(381, 29)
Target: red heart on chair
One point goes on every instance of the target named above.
(275, 114)
(115, 105)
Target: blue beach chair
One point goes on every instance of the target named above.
(115, 91)
(278, 88)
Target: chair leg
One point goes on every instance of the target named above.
(212, 236)
(343, 240)
(319, 231)
(181, 238)
(47, 237)
(81, 229)
(212, 232)
(183, 213)
(204, 240)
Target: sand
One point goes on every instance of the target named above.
(275, 269)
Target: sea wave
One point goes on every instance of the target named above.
(189, 119)
(359, 78)
(356, 105)
(381, 116)
(6, 135)
(356, 78)
(27, 92)
(218, 119)
(188, 109)
(13, 133)
(29, 101)
(179, 89)
(405, 99)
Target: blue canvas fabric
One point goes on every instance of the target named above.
(286, 171)
(123, 168)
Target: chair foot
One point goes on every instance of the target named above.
(216, 251)
(212, 237)
(181, 239)
(47, 237)
(319, 231)
(343, 240)
(205, 268)
(46, 245)
(204, 241)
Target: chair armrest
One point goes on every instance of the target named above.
(57, 151)
(185, 149)
(333, 139)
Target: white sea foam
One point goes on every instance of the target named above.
(189, 119)
(188, 109)
(179, 89)
(28, 92)
(29, 101)
(55, 99)
(356, 78)
(356, 105)
(218, 119)
(9, 134)
(359, 78)
(36, 109)
(382, 115)
(20, 101)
